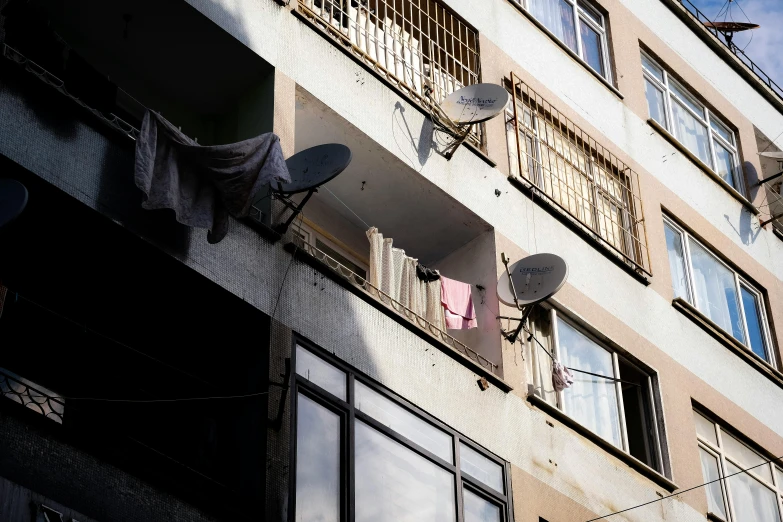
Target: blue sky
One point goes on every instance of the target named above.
(766, 46)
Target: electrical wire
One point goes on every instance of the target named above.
(110, 339)
(147, 401)
(291, 262)
(346, 206)
(685, 490)
(533, 336)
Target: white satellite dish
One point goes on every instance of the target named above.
(530, 281)
(475, 103)
(533, 279)
(772, 155)
(463, 108)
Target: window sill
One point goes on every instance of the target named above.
(568, 50)
(347, 51)
(727, 340)
(327, 271)
(633, 462)
(578, 228)
(702, 166)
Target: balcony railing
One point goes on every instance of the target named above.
(409, 42)
(403, 311)
(739, 53)
(580, 178)
(20, 390)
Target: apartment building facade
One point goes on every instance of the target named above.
(147, 374)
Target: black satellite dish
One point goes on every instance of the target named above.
(309, 169)
(13, 200)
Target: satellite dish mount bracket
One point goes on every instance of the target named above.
(511, 336)
(295, 208)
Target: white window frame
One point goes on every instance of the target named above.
(554, 318)
(580, 16)
(705, 118)
(720, 453)
(309, 235)
(739, 283)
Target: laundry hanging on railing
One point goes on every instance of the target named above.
(457, 301)
(203, 185)
(394, 274)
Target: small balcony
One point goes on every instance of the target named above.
(378, 190)
(576, 177)
(32, 396)
(412, 44)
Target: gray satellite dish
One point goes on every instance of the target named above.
(530, 281)
(13, 200)
(309, 169)
(534, 278)
(773, 155)
(475, 103)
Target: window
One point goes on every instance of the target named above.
(333, 248)
(577, 175)
(402, 464)
(717, 291)
(612, 397)
(752, 496)
(579, 26)
(32, 395)
(688, 120)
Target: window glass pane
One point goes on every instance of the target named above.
(691, 132)
(745, 456)
(393, 483)
(687, 99)
(403, 422)
(558, 17)
(677, 263)
(652, 68)
(591, 13)
(721, 129)
(655, 103)
(779, 477)
(592, 49)
(320, 372)
(725, 164)
(715, 291)
(705, 428)
(753, 319)
(477, 509)
(317, 462)
(591, 401)
(709, 467)
(481, 468)
(752, 501)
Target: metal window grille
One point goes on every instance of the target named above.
(404, 312)
(409, 42)
(21, 391)
(578, 176)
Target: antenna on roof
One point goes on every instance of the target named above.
(309, 169)
(463, 108)
(529, 281)
(727, 29)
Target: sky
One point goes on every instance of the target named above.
(766, 46)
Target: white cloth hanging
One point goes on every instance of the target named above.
(562, 377)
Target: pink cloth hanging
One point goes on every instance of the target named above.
(457, 302)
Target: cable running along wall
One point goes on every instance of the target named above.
(572, 172)
(409, 42)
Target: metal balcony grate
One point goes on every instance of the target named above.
(578, 176)
(409, 42)
(20, 390)
(391, 303)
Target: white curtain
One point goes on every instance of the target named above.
(558, 17)
(716, 291)
(394, 273)
(590, 400)
(753, 502)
